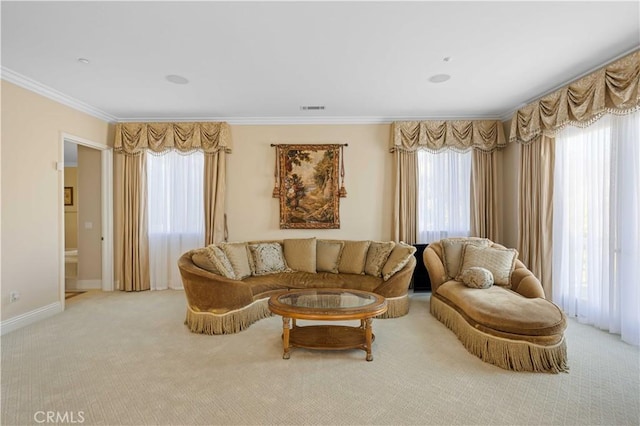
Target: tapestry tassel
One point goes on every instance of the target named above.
(343, 192)
(276, 188)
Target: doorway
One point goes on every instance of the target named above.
(86, 247)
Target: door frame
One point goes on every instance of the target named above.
(106, 189)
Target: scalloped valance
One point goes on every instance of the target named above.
(210, 137)
(435, 135)
(612, 89)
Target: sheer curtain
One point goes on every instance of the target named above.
(444, 188)
(176, 213)
(596, 229)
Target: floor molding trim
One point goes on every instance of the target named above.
(12, 324)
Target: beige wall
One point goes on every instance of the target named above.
(89, 214)
(32, 193)
(32, 188)
(71, 212)
(366, 213)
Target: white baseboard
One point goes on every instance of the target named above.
(84, 285)
(12, 324)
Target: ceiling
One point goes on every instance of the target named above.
(261, 62)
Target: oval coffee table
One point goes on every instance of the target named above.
(327, 305)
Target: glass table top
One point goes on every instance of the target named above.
(323, 299)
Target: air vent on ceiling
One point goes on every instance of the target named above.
(312, 107)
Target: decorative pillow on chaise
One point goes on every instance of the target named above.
(452, 252)
(500, 261)
(268, 258)
(397, 260)
(328, 255)
(354, 256)
(377, 256)
(300, 254)
(477, 277)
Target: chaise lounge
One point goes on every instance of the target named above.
(509, 324)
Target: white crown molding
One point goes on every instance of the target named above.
(265, 121)
(12, 324)
(39, 88)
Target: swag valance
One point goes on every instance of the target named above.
(459, 135)
(210, 137)
(612, 89)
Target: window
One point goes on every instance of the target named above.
(176, 213)
(444, 192)
(596, 241)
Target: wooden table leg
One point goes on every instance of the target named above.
(286, 326)
(368, 336)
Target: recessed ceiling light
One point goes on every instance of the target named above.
(83, 60)
(439, 78)
(177, 79)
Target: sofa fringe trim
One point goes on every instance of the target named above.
(396, 307)
(504, 353)
(229, 322)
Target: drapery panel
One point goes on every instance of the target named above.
(459, 135)
(215, 184)
(612, 89)
(210, 137)
(408, 137)
(484, 195)
(405, 221)
(535, 209)
(131, 239)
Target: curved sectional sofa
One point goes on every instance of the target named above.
(509, 324)
(228, 285)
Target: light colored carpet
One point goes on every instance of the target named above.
(123, 358)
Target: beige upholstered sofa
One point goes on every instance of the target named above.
(228, 285)
(510, 323)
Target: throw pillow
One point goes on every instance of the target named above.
(452, 252)
(300, 254)
(238, 255)
(213, 259)
(500, 261)
(200, 257)
(377, 256)
(477, 277)
(397, 260)
(354, 256)
(328, 255)
(268, 258)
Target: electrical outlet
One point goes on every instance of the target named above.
(14, 296)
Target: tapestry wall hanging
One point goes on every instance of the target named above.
(308, 186)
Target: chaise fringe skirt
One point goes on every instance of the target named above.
(514, 355)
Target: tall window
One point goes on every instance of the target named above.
(176, 213)
(596, 225)
(444, 192)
